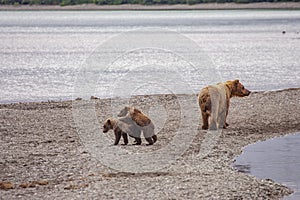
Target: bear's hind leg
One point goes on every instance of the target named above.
(213, 122)
(154, 137)
(150, 141)
(204, 120)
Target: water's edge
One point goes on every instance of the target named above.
(73, 98)
(245, 168)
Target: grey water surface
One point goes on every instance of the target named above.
(277, 159)
(41, 53)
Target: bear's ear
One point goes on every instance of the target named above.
(108, 122)
(236, 82)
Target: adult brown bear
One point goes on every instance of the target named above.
(214, 102)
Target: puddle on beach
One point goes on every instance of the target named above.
(277, 159)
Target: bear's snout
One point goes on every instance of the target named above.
(105, 129)
(247, 92)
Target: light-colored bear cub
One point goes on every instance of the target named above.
(120, 129)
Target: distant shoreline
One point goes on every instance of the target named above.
(206, 6)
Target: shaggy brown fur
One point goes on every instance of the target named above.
(136, 115)
(214, 102)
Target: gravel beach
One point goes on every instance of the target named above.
(43, 155)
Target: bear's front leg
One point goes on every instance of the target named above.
(117, 137)
(227, 108)
(222, 119)
(125, 138)
(226, 125)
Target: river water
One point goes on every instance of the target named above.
(42, 54)
(277, 159)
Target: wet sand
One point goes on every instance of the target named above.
(42, 155)
(205, 6)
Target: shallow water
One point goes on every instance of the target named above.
(277, 159)
(42, 52)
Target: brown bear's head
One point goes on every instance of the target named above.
(237, 89)
(107, 125)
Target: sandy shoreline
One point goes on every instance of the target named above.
(206, 6)
(42, 154)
